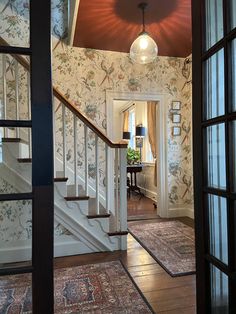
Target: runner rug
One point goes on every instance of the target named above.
(171, 244)
(97, 288)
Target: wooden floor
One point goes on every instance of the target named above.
(140, 208)
(167, 295)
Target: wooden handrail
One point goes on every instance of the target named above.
(71, 106)
(87, 121)
(18, 58)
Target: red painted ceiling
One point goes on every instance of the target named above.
(114, 24)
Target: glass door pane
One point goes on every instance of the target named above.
(14, 17)
(219, 292)
(16, 294)
(233, 127)
(214, 86)
(216, 156)
(233, 13)
(218, 227)
(214, 22)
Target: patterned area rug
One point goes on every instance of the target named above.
(171, 244)
(104, 288)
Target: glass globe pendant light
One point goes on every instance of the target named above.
(144, 49)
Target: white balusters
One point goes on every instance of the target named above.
(115, 197)
(4, 92)
(117, 189)
(64, 139)
(97, 174)
(123, 189)
(86, 159)
(75, 155)
(16, 66)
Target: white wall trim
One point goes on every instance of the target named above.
(181, 212)
(148, 193)
(162, 168)
(20, 251)
(73, 13)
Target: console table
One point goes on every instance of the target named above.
(133, 170)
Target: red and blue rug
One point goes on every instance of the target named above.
(170, 243)
(104, 288)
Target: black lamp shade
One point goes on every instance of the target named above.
(140, 131)
(126, 135)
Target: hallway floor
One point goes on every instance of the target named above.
(166, 294)
(140, 208)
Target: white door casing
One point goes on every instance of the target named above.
(162, 164)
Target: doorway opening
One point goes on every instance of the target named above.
(147, 182)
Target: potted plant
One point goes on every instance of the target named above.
(133, 156)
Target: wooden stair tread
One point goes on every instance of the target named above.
(61, 179)
(117, 233)
(76, 198)
(10, 140)
(24, 160)
(98, 216)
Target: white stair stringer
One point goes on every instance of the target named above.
(87, 235)
(74, 218)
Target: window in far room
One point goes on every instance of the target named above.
(132, 127)
(138, 116)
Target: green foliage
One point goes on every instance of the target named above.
(133, 156)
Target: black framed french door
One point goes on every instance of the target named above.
(35, 201)
(214, 150)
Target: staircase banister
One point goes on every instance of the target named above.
(71, 106)
(87, 121)
(18, 58)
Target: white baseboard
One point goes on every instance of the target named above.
(181, 212)
(21, 251)
(148, 193)
(172, 212)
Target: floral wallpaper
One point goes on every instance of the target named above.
(16, 218)
(12, 212)
(84, 75)
(180, 176)
(14, 17)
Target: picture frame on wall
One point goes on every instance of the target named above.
(176, 131)
(176, 105)
(176, 118)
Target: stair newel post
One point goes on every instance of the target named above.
(4, 92)
(63, 108)
(108, 186)
(16, 67)
(123, 189)
(29, 110)
(86, 159)
(117, 189)
(97, 174)
(75, 155)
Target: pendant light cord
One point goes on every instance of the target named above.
(143, 6)
(143, 20)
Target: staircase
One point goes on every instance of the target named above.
(90, 201)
